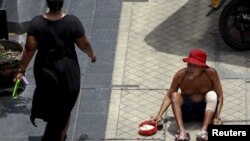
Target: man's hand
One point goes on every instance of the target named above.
(158, 118)
(217, 121)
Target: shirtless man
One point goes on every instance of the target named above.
(201, 96)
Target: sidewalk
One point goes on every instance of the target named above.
(140, 45)
(153, 38)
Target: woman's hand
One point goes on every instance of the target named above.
(18, 76)
(93, 58)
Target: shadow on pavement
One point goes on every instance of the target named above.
(34, 138)
(189, 125)
(8, 105)
(189, 28)
(83, 137)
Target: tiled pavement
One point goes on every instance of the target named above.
(153, 37)
(100, 19)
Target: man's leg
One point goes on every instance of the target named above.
(211, 103)
(177, 100)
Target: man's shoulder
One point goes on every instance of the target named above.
(211, 70)
(181, 72)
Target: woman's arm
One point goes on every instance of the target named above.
(84, 45)
(28, 53)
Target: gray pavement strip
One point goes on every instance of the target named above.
(123, 87)
(135, 0)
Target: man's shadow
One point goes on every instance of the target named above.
(189, 125)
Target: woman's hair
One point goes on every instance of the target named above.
(55, 5)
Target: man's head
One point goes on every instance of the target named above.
(55, 5)
(197, 57)
(196, 62)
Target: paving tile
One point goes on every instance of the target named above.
(100, 35)
(97, 81)
(96, 94)
(106, 24)
(107, 14)
(105, 56)
(82, 8)
(94, 127)
(108, 4)
(100, 68)
(87, 25)
(153, 37)
(132, 114)
(91, 111)
(95, 104)
(161, 33)
(104, 45)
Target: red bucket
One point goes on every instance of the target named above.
(147, 128)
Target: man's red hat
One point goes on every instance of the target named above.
(197, 57)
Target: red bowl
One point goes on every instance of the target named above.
(148, 132)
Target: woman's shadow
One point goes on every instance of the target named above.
(9, 105)
(82, 137)
(34, 138)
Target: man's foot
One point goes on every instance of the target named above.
(182, 137)
(160, 124)
(202, 136)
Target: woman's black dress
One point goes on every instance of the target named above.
(56, 67)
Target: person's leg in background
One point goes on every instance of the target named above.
(64, 132)
(55, 127)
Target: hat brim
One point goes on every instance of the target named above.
(195, 61)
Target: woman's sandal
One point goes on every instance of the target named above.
(202, 136)
(181, 138)
(65, 137)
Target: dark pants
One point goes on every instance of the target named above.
(193, 110)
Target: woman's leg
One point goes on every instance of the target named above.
(54, 128)
(64, 132)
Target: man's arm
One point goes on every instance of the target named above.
(219, 92)
(173, 88)
(84, 45)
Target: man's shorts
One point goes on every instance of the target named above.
(193, 110)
